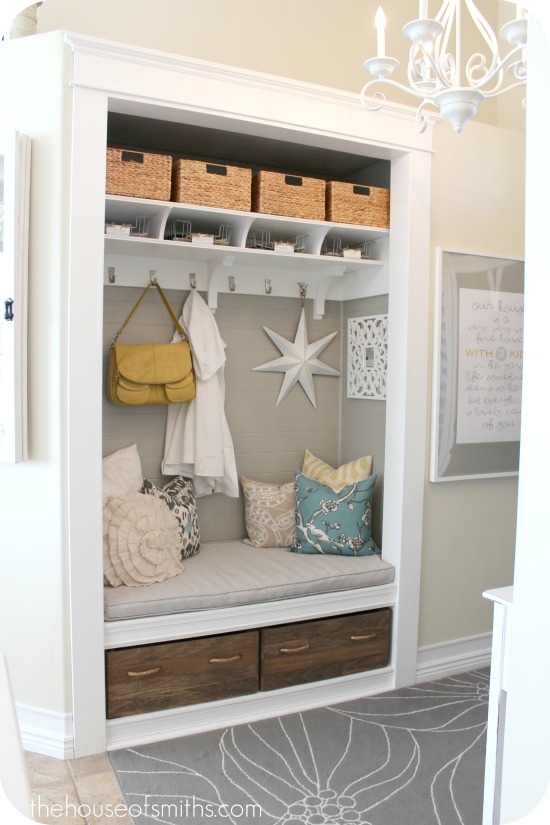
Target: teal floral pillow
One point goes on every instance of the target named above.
(337, 523)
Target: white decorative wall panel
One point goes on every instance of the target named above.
(367, 356)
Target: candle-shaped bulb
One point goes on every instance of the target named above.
(423, 10)
(520, 13)
(380, 23)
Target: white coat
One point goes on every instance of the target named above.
(198, 443)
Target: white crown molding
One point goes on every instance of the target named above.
(222, 73)
(218, 71)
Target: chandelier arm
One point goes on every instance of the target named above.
(444, 12)
(414, 74)
(498, 69)
(498, 92)
(445, 16)
(485, 31)
(377, 100)
(421, 121)
(420, 95)
(477, 65)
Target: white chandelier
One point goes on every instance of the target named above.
(440, 78)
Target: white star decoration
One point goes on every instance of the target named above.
(299, 361)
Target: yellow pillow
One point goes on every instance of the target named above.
(349, 473)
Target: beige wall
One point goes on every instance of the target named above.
(478, 205)
(319, 41)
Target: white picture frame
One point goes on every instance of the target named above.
(478, 337)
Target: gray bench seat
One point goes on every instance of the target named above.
(232, 573)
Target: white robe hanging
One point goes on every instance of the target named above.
(198, 443)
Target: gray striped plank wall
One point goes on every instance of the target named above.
(269, 441)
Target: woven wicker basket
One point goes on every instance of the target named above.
(211, 184)
(364, 205)
(275, 193)
(138, 174)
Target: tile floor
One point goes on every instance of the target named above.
(85, 788)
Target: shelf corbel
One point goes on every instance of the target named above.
(322, 288)
(217, 272)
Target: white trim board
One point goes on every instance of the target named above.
(46, 732)
(458, 656)
(50, 733)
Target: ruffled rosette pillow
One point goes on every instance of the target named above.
(141, 541)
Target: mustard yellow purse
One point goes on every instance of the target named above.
(150, 373)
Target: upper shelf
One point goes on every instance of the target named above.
(215, 261)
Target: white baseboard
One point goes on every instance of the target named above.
(51, 733)
(46, 732)
(458, 656)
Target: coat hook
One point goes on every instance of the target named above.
(192, 280)
(153, 276)
(231, 279)
(111, 273)
(303, 290)
(268, 286)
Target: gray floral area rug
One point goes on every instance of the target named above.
(414, 756)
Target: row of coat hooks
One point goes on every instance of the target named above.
(231, 279)
(232, 283)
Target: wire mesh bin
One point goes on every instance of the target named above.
(275, 193)
(138, 174)
(261, 239)
(211, 184)
(354, 203)
(182, 230)
(332, 246)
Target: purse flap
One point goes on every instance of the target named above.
(153, 363)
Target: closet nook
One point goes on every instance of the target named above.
(107, 94)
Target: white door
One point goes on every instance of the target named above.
(14, 211)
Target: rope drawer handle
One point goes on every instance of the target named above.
(362, 638)
(226, 659)
(294, 649)
(139, 673)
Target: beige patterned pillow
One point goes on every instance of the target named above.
(338, 478)
(269, 512)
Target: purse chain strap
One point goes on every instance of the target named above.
(177, 324)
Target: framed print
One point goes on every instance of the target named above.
(14, 238)
(478, 366)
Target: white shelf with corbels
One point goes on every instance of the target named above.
(231, 251)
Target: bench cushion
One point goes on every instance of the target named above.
(231, 573)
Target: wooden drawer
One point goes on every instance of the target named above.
(172, 674)
(324, 649)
